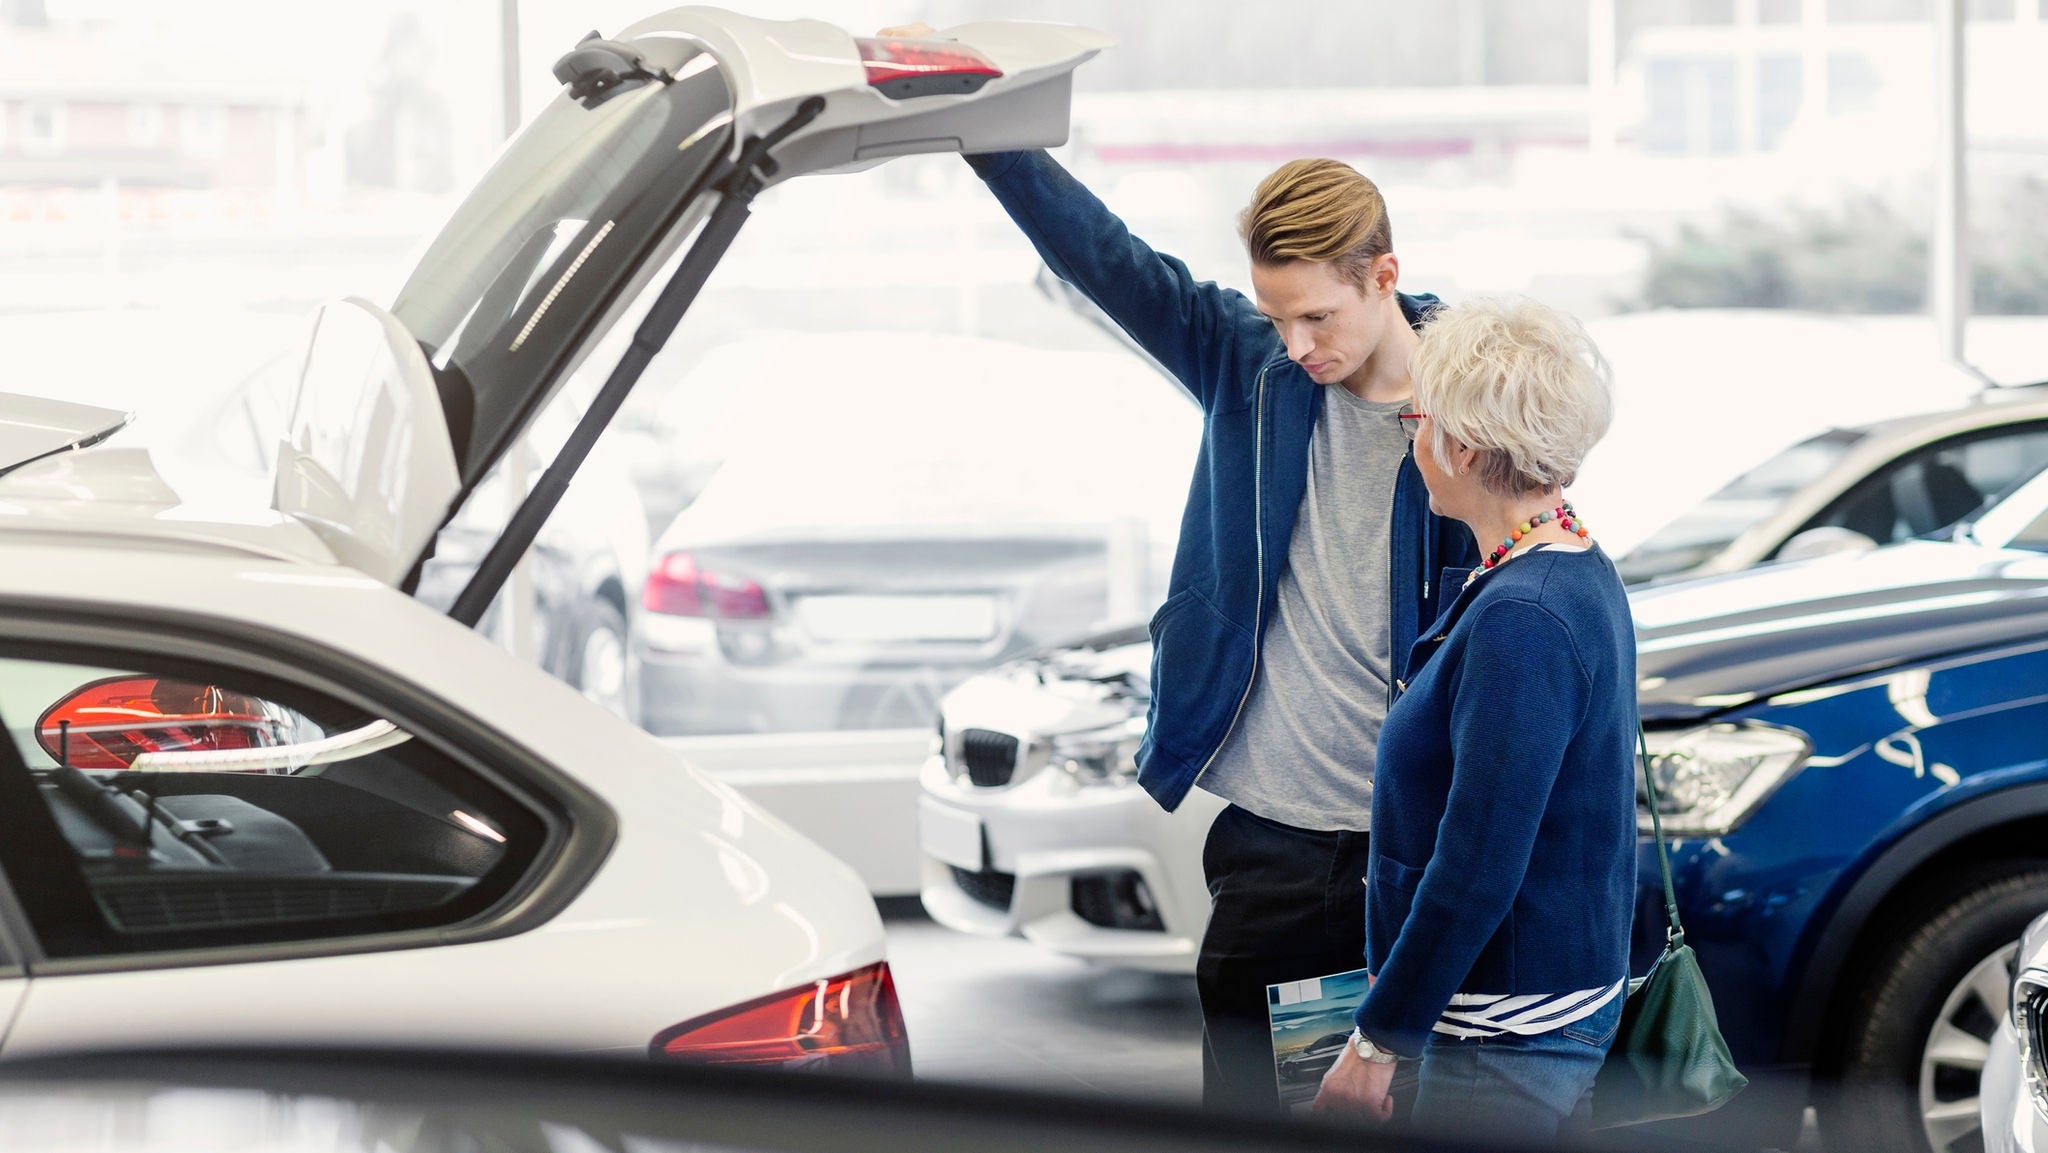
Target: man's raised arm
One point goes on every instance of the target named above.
(1189, 326)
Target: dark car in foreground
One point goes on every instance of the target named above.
(410, 1101)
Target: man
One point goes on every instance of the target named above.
(1308, 561)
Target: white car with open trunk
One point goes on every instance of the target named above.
(257, 792)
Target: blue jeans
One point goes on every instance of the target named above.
(1521, 1087)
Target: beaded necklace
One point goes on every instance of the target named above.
(1566, 519)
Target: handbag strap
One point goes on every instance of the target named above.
(1676, 934)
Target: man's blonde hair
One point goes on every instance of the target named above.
(1324, 211)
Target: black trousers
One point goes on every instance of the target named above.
(1287, 904)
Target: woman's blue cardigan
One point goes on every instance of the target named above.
(1504, 805)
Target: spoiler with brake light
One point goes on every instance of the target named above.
(994, 86)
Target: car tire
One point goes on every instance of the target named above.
(1919, 1017)
(597, 659)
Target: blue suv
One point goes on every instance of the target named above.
(1853, 761)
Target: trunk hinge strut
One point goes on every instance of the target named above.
(741, 180)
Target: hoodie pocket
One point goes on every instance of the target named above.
(1201, 668)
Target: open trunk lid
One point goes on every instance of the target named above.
(400, 413)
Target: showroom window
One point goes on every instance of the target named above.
(145, 125)
(155, 808)
(203, 129)
(42, 127)
(1691, 107)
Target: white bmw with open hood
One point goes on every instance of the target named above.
(256, 792)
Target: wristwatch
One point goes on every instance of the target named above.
(1369, 1052)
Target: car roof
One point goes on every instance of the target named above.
(1989, 409)
(113, 497)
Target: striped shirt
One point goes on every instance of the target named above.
(1527, 1014)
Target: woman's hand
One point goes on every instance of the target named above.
(1356, 1087)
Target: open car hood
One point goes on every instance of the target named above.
(33, 427)
(401, 413)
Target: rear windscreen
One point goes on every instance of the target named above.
(544, 244)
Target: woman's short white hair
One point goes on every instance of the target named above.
(1520, 382)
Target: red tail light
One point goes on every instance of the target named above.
(107, 724)
(679, 587)
(902, 69)
(850, 1022)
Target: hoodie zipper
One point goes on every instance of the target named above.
(1397, 662)
(1259, 535)
(1394, 510)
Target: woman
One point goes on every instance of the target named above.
(1503, 811)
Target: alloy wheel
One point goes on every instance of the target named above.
(1952, 1059)
(602, 671)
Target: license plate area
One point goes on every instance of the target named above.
(950, 835)
(898, 619)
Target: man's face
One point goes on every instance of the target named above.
(1330, 326)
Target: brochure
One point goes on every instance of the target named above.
(1311, 1023)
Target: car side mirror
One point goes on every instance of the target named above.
(1827, 540)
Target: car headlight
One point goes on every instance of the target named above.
(1104, 756)
(1709, 780)
(2029, 1013)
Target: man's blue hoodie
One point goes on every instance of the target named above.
(1259, 414)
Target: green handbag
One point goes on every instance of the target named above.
(1668, 1059)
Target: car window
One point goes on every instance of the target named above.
(154, 808)
(1933, 488)
(1738, 506)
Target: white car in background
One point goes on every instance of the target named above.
(255, 793)
(844, 570)
(1032, 823)
(1851, 489)
(2014, 1096)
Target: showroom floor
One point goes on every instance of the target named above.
(1004, 1012)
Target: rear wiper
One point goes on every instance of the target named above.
(87, 440)
(597, 68)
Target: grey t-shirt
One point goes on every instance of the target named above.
(1302, 750)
